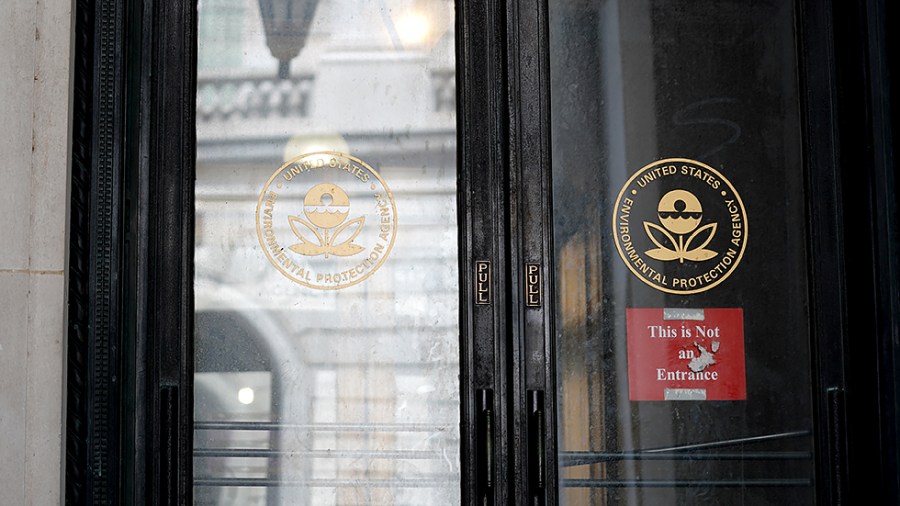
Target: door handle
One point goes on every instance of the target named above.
(536, 437)
(837, 442)
(168, 445)
(485, 446)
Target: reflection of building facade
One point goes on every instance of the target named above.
(358, 396)
(357, 402)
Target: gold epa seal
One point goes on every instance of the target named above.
(680, 226)
(326, 220)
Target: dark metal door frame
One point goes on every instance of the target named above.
(484, 269)
(129, 425)
(853, 230)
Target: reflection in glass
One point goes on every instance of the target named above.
(637, 81)
(306, 396)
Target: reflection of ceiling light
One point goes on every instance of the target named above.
(413, 28)
(245, 395)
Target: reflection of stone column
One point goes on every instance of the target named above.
(351, 409)
(382, 397)
(382, 384)
(597, 370)
(575, 408)
(634, 128)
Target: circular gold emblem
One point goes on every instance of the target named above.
(326, 220)
(680, 226)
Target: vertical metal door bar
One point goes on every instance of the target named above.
(537, 449)
(836, 429)
(485, 448)
(816, 25)
(170, 174)
(482, 197)
(531, 281)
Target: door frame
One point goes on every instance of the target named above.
(129, 424)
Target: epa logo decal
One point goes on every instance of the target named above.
(326, 220)
(680, 226)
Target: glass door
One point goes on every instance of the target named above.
(501, 253)
(326, 281)
(683, 362)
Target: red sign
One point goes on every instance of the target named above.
(686, 354)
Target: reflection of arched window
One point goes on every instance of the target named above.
(234, 384)
(226, 341)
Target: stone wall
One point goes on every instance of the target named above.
(35, 83)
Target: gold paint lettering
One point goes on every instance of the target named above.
(482, 282)
(533, 288)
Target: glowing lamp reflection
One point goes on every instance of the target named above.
(245, 395)
(413, 28)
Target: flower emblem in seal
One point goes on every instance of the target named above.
(326, 220)
(680, 226)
